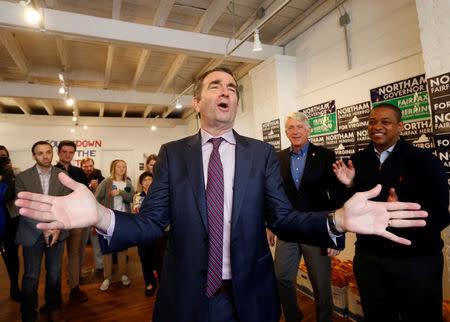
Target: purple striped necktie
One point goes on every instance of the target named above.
(214, 203)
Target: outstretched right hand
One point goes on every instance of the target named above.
(76, 210)
(344, 173)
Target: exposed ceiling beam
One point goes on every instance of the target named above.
(39, 91)
(15, 51)
(167, 112)
(241, 70)
(117, 4)
(140, 67)
(86, 28)
(162, 13)
(252, 22)
(303, 22)
(188, 113)
(101, 110)
(124, 111)
(63, 52)
(213, 63)
(109, 59)
(209, 18)
(90, 121)
(205, 24)
(147, 111)
(174, 68)
(48, 107)
(23, 105)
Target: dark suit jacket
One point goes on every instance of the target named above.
(28, 180)
(319, 189)
(177, 196)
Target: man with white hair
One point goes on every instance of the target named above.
(310, 185)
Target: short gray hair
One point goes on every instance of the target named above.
(299, 116)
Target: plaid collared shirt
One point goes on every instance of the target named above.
(45, 179)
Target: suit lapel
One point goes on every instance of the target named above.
(285, 164)
(309, 161)
(35, 181)
(194, 169)
(243, 164)
(53, 183)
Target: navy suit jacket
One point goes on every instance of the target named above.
(177, 197)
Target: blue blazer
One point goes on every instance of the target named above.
(177, 197)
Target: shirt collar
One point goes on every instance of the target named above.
(227, 136)
(49, 172)
(388, 150)
(302, 151)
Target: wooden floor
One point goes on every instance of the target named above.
(118, 303)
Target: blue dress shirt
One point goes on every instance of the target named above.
(298, 161)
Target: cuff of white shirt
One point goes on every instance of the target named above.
(332, 236)
(112, 224)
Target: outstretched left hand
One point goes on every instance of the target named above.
(363, 216)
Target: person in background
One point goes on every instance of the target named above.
(145, 250)
(8, 247)
(116, 192)
(310, 185)
(94, 177)
(158, 248)
(41, 178)
(397, 282)
(75, 250)
(150, 162)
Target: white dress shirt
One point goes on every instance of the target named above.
(227, 151)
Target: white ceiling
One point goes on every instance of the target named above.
(134, 58)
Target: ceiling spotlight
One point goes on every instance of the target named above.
(32, 15)
(153, 128)
(72, 130)
(69, 101)
(178, 105)
(85, 127)
(62, 90)
(74, 118)
(257, 46)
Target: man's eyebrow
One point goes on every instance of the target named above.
(215, 82)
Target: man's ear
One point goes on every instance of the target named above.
(195, 102)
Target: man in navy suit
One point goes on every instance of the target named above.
(249, 193)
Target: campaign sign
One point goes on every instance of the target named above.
(271, 133)
(322, 118)
(410, 95)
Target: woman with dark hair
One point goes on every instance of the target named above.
(150, 162)
(146, 253)
(8, 247)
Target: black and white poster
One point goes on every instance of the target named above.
(271, 133)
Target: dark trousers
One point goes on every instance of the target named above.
(221, 308)
(152, 256)
(287, 258)
(10, 251)
(399, 288)
(32, 258)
